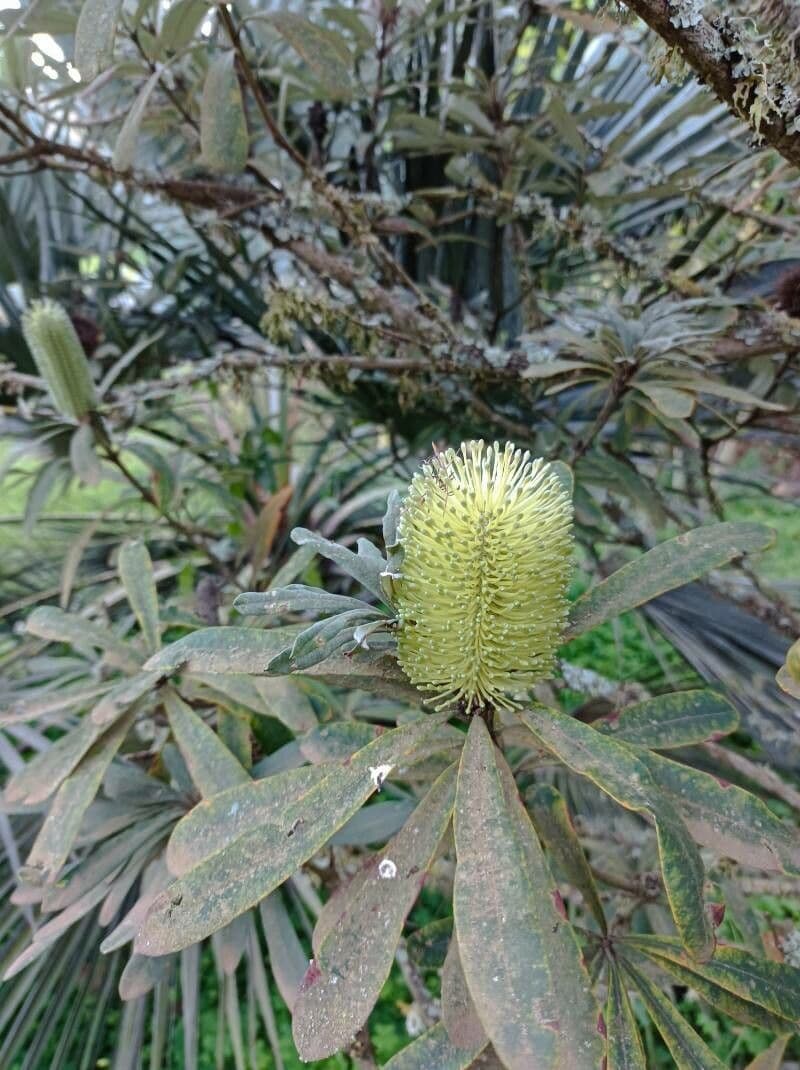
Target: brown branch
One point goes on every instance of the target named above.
(783, 886)
(644, 886)
(257, 91)
(765, 343)
(361, 1051)
(615, 391)
(781, 18)
(12, 380)
(463, 363)
(515, 428)
(762, 775)
(336, 200)
(708, 48)
(768, 335)
(199, 193)
(274, 357)
(426, 1003)
(210, 194)
(373, 297)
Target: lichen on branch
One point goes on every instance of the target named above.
(749, 75)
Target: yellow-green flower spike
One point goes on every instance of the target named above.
(60, 358)
(486, 535)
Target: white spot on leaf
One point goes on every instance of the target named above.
(387, 870)
(379, 773)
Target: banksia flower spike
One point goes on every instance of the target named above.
(60, 358)
(486, 539)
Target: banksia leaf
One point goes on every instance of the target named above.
(223, 129)
(487, 551)
(251, 866)
(60, 358)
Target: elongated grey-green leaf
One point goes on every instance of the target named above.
(617, 769)
(674, 720)
(128, 137)
(688, 1050)
(224, 650)
(353, 961)
(775, 986)
(458, 1011)
(94, 36)
(553, 823)
(43, 774)
(226, 816)
(521, 961)
(136, 572)
(668, 565)
(434, 1049)
(57, 835)
(212, 766)
(49, 622)
(625, 1051)
(236, 878)
(726, 818)
(223, 130)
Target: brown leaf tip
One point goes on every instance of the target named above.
(311, 976)
(558, 903)
(716, 912)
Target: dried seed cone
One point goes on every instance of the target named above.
(60, 358)
(486, 535)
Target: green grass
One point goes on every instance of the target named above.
(782, 561)
(627, 649)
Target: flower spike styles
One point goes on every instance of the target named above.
(486, 535)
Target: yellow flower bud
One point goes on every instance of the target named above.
(60, 358)
(487, 554)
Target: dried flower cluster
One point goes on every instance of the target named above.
(289, 309)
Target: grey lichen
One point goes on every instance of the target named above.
(687, 13)
(666, 64)
(762, 68)
(790, 945)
